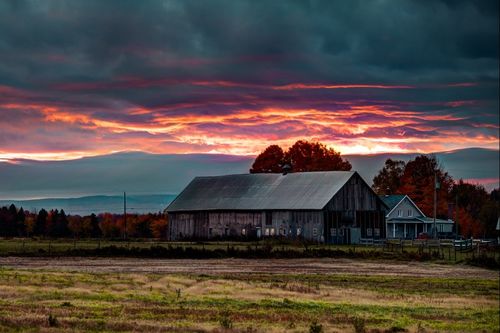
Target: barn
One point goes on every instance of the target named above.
(336, 207)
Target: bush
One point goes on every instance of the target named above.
(225, 321)
(315, 327)
(52, 320)
(359, 325)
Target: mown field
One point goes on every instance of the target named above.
(272, 295)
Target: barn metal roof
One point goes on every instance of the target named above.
(264, 191)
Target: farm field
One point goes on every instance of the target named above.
(244, 295)
(213, 249)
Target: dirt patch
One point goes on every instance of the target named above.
(248, 266)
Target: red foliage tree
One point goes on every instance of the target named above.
(269, 161)
(468, 226)
(303, 156)
(418, 182)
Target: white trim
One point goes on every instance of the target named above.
(411, 201)
(416, 207)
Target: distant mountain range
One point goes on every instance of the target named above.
(142, 174)
(136, 204)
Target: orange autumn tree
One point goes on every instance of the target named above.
(303, 156)
(417, 182)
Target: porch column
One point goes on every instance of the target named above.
(416, 232)
(404, 230)
(394, 230)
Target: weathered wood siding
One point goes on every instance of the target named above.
(234, 224)
(354, 212)
(188, 225)
(354, 195)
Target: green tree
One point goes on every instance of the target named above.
(388, 180)
(41, 223)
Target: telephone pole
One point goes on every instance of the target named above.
(125, 215)
(456, 216)
(435, 204)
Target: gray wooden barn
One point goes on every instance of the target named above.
(331, 207)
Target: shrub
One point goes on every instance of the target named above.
(315, 327)
(52, 320)
(225, 321)
(359, 325)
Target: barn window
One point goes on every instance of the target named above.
(377, 232)
(369, 232)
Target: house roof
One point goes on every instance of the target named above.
(264, 191)
(392, 200)
(395, 199)
(431, 220)
(426, 220)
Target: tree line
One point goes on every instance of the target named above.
(55, 223)
(475, 210)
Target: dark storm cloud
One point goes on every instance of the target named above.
(160, 72)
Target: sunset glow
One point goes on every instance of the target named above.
(236, 84)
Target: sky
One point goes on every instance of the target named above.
(84, 78)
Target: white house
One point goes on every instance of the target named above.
(405, 220)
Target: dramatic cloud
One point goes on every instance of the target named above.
(81, 78)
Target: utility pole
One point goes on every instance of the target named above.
(456, 215)
(436, 187)
(125, 214)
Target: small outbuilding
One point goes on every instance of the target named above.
(329, 207)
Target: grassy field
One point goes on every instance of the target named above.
(66, 247)
(201, 299)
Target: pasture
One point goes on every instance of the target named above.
(244, 295)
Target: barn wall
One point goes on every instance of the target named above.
(354, 212)
(234, 224)
(354, 195)
(202, 225)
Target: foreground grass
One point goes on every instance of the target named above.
(53, 301)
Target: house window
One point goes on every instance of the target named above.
(376, 231)
(369, 232)
(227, 231)
(298, 231)
(283, 231)
(410, 213)
(333, 232)
(400, 213)
(272, 232)
(267, 231)
(243, 232)
(315, 232)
